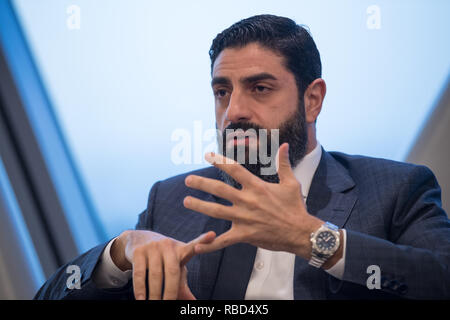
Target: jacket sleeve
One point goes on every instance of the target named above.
(56, 287)
(415, 260)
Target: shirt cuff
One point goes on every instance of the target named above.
(337, 270)
(107, 274)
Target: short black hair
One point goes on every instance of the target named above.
(280, 34)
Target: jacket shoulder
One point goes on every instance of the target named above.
(379, 169)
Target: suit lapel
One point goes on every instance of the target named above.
(235, 271)
(331, 198)
(328, 199)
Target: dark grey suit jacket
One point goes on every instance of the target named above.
(391, 211)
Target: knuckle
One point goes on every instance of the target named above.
(150, 247)
(155, 273)
(234, 169)
(220, 188)
(173, 271)
(138, 251)
(241, 198)
(167, 243)
(139, 273)
(180, 251)
(215, 210)
(252, 203)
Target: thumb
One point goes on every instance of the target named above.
(188, 249)
(284, 168)
(224, 240)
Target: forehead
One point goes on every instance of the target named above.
(247, 60)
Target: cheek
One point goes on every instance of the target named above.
(220, 117)
(279, 113)
(285, 107)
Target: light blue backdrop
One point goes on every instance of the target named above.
(127, 75)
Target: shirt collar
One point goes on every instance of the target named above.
(306, 168)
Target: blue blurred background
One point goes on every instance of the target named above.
(123, 76)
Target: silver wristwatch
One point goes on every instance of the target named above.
(325, 242)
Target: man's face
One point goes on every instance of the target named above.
(254, 90)
(251, 84)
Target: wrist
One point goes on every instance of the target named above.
(337, 255)
(303, 247)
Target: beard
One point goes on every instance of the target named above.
(292, 131)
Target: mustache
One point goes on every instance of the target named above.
(243, 126)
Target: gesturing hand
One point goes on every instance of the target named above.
(164, 258)
(268, 215)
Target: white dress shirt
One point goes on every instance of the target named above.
(273, 271)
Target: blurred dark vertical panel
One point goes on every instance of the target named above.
(20, 271)
(30, 178)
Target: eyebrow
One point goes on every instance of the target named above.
(245, 80)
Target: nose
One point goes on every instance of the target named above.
(238, 108)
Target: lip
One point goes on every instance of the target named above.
(240, 135)
(242, 141)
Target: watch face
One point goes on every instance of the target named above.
(325, 241)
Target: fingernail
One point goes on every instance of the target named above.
(187, 200)
(140, 297)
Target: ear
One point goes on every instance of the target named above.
(313, 97)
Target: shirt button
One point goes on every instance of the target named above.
(259, 265)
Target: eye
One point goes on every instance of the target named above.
(220, 93)
(261, 89)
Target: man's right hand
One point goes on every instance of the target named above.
(163, 257)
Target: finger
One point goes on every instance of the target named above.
(184, 292)
(211, 209)
(139, 273)
(224, 240)
(213, 186)
(155, 275)
(187, 251)
(284, 168)
(233, 168)
(172, 274)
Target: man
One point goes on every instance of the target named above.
(312, 230)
